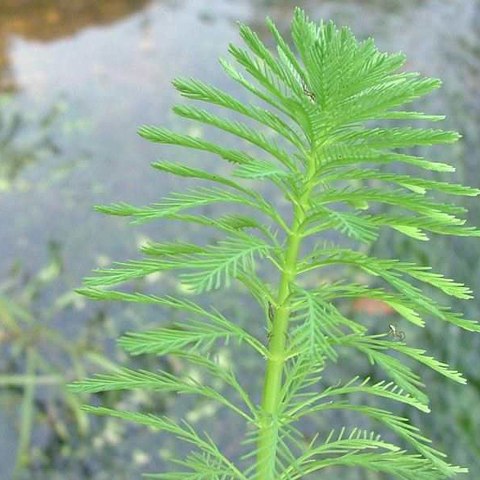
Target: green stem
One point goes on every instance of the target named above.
(27, 414)
(271, 397)
(24, 380)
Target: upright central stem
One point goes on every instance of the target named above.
(272, 386)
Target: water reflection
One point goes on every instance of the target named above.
(48, 21)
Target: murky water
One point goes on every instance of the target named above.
(79, 77)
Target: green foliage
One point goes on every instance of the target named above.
(314, 143)
(38, 358)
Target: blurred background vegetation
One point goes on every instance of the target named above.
(76, 79)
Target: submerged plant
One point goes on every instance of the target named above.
(309, 136)
(38, 358)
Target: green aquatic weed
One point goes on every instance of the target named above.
(28, 372)
(316, 135)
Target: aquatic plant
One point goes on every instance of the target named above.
(311, 137)
(38, 357)
(24, 139)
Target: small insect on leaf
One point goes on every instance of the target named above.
(396, 334)
(309, 93)
(271, 312)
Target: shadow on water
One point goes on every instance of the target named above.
(78, 77)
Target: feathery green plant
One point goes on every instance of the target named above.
(311, 136)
